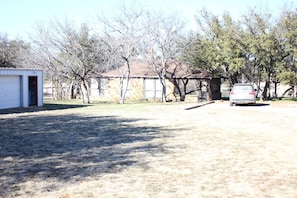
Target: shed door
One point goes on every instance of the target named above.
(10, 92)
(32, 90)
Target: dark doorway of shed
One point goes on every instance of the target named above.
(33, 90)
(215, 85)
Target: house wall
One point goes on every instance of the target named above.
(135, 89)
(139, 89)
(148, 89)
(15, 90)
(112, 92)
(106, 89)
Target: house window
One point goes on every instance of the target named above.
(152, 89)
(103, 86)
(99, 87)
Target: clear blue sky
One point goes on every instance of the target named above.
(18, 17)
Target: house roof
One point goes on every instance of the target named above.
(144, 70)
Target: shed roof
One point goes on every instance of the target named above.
(20, 71)
(143, 70)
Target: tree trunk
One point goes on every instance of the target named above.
(176, 86)
(58, 90)
(162, 80)
(181, 94)
(275, 90)
(124, 86)
(183, 97)
(85, 91)
(265, 90)
(233, 79)
(121, 99)
(209, 95)
(72, 90)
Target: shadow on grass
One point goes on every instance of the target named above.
(199, 105)
(71, 147)
(45, 107)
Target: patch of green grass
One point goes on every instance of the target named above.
(289, 99)
(61, 102)
(284, 99)
(99, 104)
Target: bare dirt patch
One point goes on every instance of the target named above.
(150, 150)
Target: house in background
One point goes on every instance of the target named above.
(144, 84)
(20, 87)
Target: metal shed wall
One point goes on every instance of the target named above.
(14, 87)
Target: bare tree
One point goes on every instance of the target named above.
(69, 54)
(163, 42)
(122, 35)
(13, 53)
(44, 56)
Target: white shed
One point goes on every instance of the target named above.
(20, 87)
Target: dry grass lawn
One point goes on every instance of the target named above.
(149, 150)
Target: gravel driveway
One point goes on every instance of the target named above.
(150, 150)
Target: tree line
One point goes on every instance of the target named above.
(257, 47)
